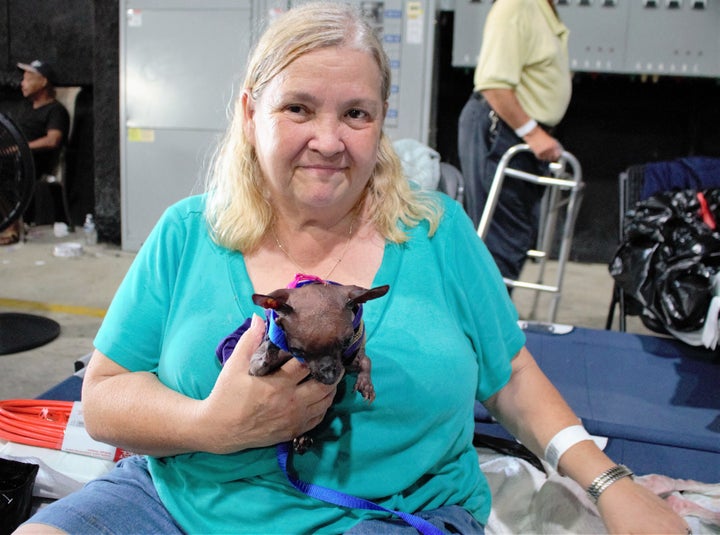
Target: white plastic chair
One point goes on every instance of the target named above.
(66, 96)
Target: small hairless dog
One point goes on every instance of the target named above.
(319, 323)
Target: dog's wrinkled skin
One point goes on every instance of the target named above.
(318, 323)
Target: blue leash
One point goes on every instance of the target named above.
(346, 500)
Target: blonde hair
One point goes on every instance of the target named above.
(238, 212)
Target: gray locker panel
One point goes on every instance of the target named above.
(467, 35)
(409, 38)
(181, 59)
(659, 37)
(598, 35)
(187, 4)
(164, 166)
(181, 65)
(681, 41)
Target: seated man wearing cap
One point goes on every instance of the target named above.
(43, 121)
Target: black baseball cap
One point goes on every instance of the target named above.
(40, 67)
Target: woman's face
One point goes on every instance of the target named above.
(316, 128)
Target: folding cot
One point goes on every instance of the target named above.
(655, 399)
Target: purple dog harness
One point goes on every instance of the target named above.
(276, 335)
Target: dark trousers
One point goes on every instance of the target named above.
(482, 140)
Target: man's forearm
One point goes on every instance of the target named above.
(51, 140)
(506, 105)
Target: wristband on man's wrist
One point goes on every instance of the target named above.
(525, 129)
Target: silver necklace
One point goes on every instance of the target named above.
(302, 269)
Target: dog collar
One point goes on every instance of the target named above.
(276, 335)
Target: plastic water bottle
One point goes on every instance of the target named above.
(89, 230)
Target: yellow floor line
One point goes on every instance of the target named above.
(52, 307)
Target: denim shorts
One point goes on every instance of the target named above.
(122, 501)
(125, 501)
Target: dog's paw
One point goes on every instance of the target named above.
(365, 387)
(259, 366)
(266, 359)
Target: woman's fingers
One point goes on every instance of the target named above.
(252, 411)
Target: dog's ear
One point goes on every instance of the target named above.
(276, 300)
(359, 295)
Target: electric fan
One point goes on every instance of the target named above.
(18, 332)
(17, 173)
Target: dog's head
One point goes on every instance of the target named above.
(320, 324)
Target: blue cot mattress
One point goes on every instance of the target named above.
(656, 399)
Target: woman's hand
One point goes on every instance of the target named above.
(245, 411)
(627, 507)
(136, 412)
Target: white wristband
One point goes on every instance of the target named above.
(525, 129)
(563, 441)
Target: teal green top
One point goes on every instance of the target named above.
(441, 338)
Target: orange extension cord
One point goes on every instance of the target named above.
(34, 422)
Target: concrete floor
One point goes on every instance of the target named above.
(76, 291)
(72, 291)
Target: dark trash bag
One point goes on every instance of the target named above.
(16, 486)
(668, 258)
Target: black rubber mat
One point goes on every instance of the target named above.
(20, 332)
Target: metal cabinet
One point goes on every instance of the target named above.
(180, 66)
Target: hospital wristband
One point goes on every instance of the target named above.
(607, 478)
(563, 441)
(525, 129)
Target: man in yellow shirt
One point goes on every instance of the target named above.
(522, 89)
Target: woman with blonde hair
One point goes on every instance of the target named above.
(307, 182)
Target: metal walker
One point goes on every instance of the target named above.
(564, 189)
